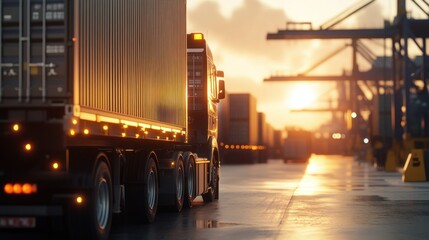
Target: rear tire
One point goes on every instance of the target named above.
(92, 218)
(101, 212)
(180, 185)
(150, 191)
(141, 195)
(190, 182)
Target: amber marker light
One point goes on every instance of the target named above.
(28, 147)
(79, 200)
(198, 36)
(105, 128)
(72, 132)
(8, 188)
(86, 131)
(172, 164)
(55, 165)
(74, 121)
(27, 188)
(17, 188)
(15, 127)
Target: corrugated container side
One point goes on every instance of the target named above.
(240, 105)
(33, 53)
(243, 119)
(132, 59)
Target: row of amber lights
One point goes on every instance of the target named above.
(245, 147)
(125, 126)
(20, 188)
(28, 188)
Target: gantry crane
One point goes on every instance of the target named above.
(399, 72)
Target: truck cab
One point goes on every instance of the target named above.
(206, 88)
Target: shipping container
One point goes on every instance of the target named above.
(240, 139)
(263, 139)
(277, 150)
(86, 59)
(94, 114)
(297, 145)
(243, 119)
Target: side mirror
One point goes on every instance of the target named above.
(221, 94)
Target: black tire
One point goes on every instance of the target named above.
(150, 190)
(142, 197)
(190, 182)
(180, 184)
(92, 218)
(102, 203)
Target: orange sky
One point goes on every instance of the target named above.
(236, 31)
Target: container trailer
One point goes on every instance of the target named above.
(97, 117)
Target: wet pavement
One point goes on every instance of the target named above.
(333, 197)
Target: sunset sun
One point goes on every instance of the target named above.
(301, 96)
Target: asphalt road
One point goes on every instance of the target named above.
(254, 201)
(332, 197)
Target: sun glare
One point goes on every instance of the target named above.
(301, 96)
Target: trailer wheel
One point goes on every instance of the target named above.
(142, 196)
(102, 201)
(150, 190)
(180, 184)
(190, 182)
(91, 216)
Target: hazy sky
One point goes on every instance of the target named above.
(236, 32)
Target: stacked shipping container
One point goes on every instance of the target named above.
(244, 134)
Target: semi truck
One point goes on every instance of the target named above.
(98, 117)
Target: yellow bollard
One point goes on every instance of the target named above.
(414, 169)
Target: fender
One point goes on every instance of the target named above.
(213, 149)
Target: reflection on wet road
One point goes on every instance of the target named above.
(253, 204)
(333, 197)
